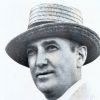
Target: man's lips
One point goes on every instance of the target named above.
(44, 73)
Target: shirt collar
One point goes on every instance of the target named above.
(71, 91)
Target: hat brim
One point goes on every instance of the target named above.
(17, 48)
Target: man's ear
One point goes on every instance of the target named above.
(82, 55)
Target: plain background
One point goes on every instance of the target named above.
(15, 80)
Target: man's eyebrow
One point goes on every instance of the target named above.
(31, 46)
(49, 42)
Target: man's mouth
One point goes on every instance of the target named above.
(40, 74)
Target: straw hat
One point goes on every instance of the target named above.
(54, 20)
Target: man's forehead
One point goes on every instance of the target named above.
(46, 41)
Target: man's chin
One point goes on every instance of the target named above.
(46, 87)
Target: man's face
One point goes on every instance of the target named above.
(53, 65)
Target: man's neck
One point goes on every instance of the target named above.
(68, 93)
(71, 91)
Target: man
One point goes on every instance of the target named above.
(55, 47)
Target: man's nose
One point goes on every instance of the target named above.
(41, 60)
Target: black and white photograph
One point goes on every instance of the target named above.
(50, 50)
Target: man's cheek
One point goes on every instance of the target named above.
(31, 62)
(54, 57)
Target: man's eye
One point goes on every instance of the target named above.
(31, 52)
(51, 48)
